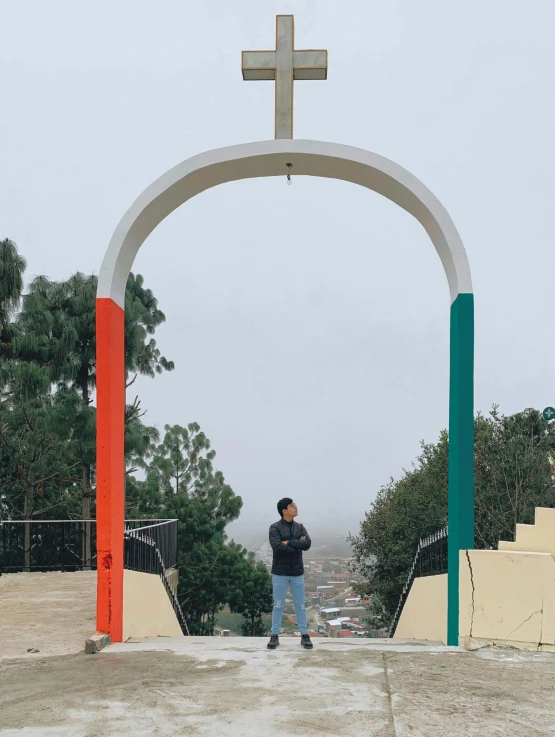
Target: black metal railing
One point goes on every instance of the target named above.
(162, 535)
(61, 545)
(133, 524)
(430, 560)
(151, 549)
(53, 545)
(150, 546)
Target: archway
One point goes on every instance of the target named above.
(247, 161)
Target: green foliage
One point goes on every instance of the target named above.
(58, 330)
(36, 465)
(513, 473)
(253, 597)
(237, 624)
(183, 461)
(37, 469)
(12, 268)
(142, 317)
(55, 353)
(254, 628)
(512, 478)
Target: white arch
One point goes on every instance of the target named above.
(269, 159)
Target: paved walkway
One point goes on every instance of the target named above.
(234, 687)
(52, 612)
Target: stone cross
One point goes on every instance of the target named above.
(284, 65)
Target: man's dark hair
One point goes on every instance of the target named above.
(283, 504)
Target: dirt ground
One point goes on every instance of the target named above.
(52, 612)
(234, 687)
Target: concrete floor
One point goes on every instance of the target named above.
(234, 687)
(52, 612)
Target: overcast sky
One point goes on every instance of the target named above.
(308, 324)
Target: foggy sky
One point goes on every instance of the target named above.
(308, 324)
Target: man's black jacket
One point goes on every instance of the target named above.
(288, 559)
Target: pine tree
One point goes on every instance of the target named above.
(181, 474)
(54, 352)
(253, 596)
(12, 268)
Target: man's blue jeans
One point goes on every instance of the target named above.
(279, 586)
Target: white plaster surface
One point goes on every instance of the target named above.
(246, 648)
(269, 159)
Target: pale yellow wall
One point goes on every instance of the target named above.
(147, 610)
(424, 616)
(507, 597)
(536, 538)
(173, 579)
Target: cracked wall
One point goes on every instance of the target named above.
(507, 598)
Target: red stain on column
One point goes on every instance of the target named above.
(110, 468)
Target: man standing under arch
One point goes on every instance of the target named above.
(288, 539)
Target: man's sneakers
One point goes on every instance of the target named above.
(306, 642)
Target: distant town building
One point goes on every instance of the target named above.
(355, 627)
(330, 613)
(354, 611)
(338, 585)
(333, 624)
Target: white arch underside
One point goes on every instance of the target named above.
(269, 159)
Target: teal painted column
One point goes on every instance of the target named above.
(461, 451)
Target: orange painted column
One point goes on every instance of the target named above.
(110, 466)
